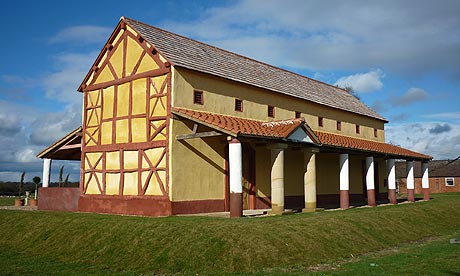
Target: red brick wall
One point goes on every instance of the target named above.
(58, 199)
(437, 185)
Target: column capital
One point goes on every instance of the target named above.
(232, 140)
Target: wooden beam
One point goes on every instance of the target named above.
(198, 135)
(73, 146)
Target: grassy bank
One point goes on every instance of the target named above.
(70, 243)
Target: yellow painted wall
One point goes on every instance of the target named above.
(197, 166)
(219, 96)
(107, 112)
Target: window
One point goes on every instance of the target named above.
(339, 125)
(238, 105)
(357, 129)
(450, 181)
(375, 132)
(298, 114)
(320, 121)
(271, 111)
(198, 97)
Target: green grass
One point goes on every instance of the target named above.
(7, 200)
(79, 244)
(433, 257)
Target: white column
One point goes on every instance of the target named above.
(277, 178)
(236, 167)
(344, 181)
(391, 181)
(370, 183)
(425, 181)
(410, 181)
(46, 172)
(410, 175)
(310, 181)
(344, 173)
(391, 174)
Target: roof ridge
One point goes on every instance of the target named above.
(240, 55)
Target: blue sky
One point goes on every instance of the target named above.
(401, 57)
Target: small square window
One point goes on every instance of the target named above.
(450, 181)
(198, 97)
(238, 105)
(375, 132)
(320, 121)
(339, 125)
(358, 130)
(271, 111)
(298, 114)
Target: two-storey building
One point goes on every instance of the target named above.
(172, 125)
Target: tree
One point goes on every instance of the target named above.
(61, 172)
(350, 90)
(66, 181)
(36, 180)
(21, 184)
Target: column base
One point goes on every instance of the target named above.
(236, 205)
(411, 195)
(276, 210)
(426, 193)
(344, 199)
(371, 197)
(392, 196)
(309, 207)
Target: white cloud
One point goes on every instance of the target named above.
(363, 82)
(418, 137)
(82, 35)
(447, 115)
(412, 95)
(330, 35)
(61, 85)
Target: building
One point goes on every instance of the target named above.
(172, 125)
(444, 176)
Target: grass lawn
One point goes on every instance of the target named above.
(6, 200)
(58, 243)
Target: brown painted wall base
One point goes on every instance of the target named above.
(392, 196)
(236, 205)
(344, 199)
(410, 195)
(58, 199)
(197, 206)
(139, 206)
(371, 197)
(426, 193)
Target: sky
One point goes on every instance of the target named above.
(402, 59)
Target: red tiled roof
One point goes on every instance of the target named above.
(241, 126)
(191, 54)
(341, 141)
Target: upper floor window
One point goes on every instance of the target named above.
(375, 132)
(450, 181)
(358, 130)
(320, 121)
(198, 97)
(271, 111)
(339, 125)
(238, 105)
(298, 114)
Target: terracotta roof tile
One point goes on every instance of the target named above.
(341, 141)
(187, 53)
(241, 126)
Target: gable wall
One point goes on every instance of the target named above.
(219, 96)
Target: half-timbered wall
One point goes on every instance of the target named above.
(125, 122)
